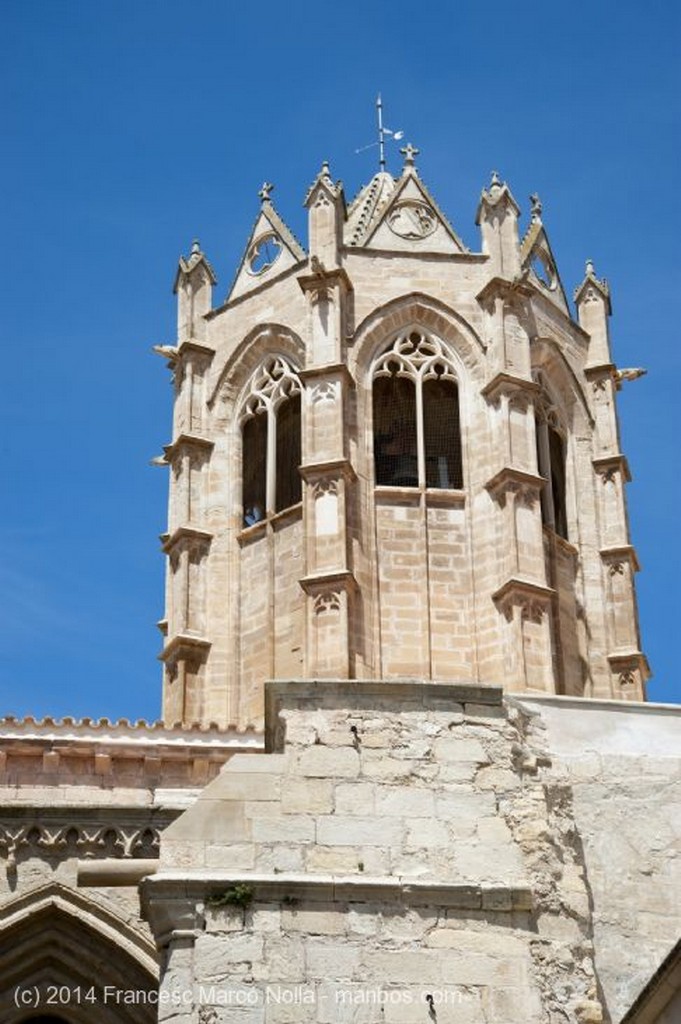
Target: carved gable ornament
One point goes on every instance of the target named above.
(412, 221)
(270, 251)
(538, 260)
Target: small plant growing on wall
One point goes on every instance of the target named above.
(239, 895)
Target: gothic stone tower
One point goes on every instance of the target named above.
(394, 458)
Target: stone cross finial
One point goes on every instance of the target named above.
(264, 193)
(536, 206)
(409, 152)
(196, 248)
(589, 269)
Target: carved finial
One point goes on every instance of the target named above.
(264, 193)
(196, 248)
(496, 180)
(536, 207)
(325, 171)
(589, 269)
(409, 152)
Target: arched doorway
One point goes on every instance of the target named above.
(64, 946)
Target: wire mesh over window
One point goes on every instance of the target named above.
(254, 448)
(288, 483)
(417, 434)
(395, 446)
(557, 457)
(551, 463)
(271, 441)
(441, 434)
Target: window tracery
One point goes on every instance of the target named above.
(270, 423)
(417, 436)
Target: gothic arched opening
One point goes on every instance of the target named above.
(417, 432)
(67, 948)
(271, 442)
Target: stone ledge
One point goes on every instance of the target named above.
(188, 534)
(340, 889)
(188, 442)
(594, 703)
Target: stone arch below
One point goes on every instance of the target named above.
(261, 341)
(58, 939)
(561, 383)
(428, 313)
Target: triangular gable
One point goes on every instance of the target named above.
(412, 221)
(271, 250)
(365, 209)
(538, 261)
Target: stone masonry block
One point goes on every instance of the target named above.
(329, 762)
(355, 831)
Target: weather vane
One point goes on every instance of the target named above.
(382, 132)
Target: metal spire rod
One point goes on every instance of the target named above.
(382, 132)
(381, 143)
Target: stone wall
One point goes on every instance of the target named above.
(622, 764)
(401, 841)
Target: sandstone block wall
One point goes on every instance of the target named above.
(400, 839)
(622, 763)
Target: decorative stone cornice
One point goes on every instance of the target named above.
(327, 370)
(321, 279)
(509, 385)
(335, 468)
(185, 535)
(616, 556)
(599, 371)
(632, 671)
(192, 347)
(184, 645)
(317, 584)
(187, 442)
(534, 599)
(610, 466)
(504, 288)
(629, 661)
(509, 479)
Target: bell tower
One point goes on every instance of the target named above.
(394, 458)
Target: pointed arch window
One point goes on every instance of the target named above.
(271, 441)
(417, 433)
(551, 462)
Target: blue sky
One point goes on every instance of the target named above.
(129, 128)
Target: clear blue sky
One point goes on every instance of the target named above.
(130, 127)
